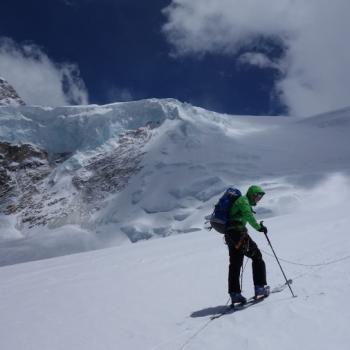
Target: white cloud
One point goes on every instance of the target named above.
(39, 80)
(257, 59)
(316, 74)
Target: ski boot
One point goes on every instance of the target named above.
(237, 298)
(262, 291)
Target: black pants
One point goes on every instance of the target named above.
(240, 244)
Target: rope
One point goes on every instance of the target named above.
(309, 265)
(194, 335)
(243, 268)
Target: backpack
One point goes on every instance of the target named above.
(219, 219)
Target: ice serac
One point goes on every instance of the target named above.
(8, 95)
(58, 166)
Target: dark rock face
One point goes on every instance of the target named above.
(20, 153)
(8, 95)
(30, 180)
(21, 168)
(110, 172)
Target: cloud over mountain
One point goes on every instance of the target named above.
(314, 74)
(38, 79)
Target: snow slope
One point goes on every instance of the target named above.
(186, 156)
(160, 293)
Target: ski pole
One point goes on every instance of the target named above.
(279, 264)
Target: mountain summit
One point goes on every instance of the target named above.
(8, 95)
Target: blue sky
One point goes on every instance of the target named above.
(217, 54)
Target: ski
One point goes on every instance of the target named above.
(251, 301)
(238, 307)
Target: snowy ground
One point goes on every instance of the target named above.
(160, 293)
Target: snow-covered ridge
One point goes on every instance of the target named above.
(337, 119)
(8, 95)
(73, 128)
(129, 171)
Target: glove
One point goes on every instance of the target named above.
(263, 228)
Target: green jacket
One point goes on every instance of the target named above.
(241, 212)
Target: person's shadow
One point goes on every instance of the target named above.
(215, 311)
(210, 311)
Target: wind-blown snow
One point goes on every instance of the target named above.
(159, 294)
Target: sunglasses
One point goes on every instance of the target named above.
(258, 195)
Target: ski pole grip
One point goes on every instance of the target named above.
(263, 226)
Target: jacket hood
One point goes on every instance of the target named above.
(252, 190)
